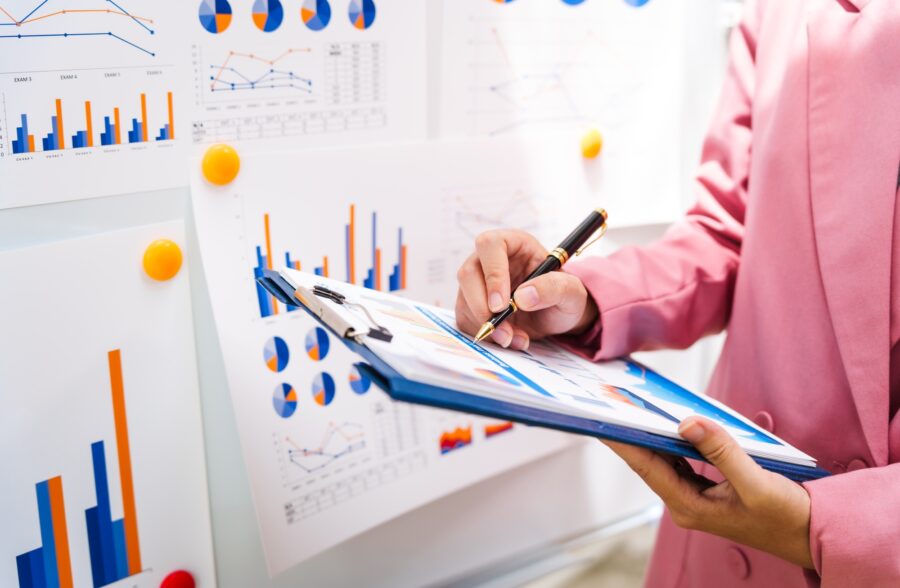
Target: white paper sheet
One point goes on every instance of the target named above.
(75, 313)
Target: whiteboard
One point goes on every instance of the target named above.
(482, 525)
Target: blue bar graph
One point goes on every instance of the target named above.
(163, 134)
(263, 296)
(108, 134)
(48, 566)
(21, 143)
(136, 134)
(51, 141)
(106, 537)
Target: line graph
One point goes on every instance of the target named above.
(338, 441)
(28, 22)
(234, 73)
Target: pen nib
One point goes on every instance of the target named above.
(483, 333)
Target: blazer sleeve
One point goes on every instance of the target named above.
(855, 528)
(678, 289)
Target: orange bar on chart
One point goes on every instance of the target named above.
(378, 269)
(351, 247)
(60, 135)
(403, 267)
(144, 118)
(171, 118)
(90, 125)
(31, 143)
(269, 257)
(60, 533)
(325, 266)
(118, 126)
(132, 544)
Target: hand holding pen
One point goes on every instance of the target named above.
(546, 302)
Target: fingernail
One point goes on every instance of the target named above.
(520, 342)
(527, 297)
(692, 431)
(495, 301)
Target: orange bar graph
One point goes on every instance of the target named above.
(297, 265)
(171, 119)
(144, 118)
(118, 126)
(378, 269)
(325, 266)
(90, 125)
(351, 246)
(31, 143)
(269, 257)
(60, 533)
(60, 135)
(132, 544)
(403, 267)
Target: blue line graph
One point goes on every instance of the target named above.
(349, 435)
(31, 19)
(228, 78)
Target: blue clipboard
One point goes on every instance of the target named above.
(405, 390)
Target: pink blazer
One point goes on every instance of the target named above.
(790, 247)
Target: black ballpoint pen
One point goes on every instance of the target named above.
(574, 244)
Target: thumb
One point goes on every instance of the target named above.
(720, 448)
(559, 289)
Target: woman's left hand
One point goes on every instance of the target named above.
(752, 506)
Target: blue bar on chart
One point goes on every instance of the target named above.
(108, 134)
(266, 306)
(50, 564)
(136, 134)
(373, 275)
(397, 279)
(163, 134)
(24, 142)
(106, 537)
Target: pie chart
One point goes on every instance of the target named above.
(317, 344)
(268, 14)
(215, 15)
(573, 2)
(323, 389)
(362, 13)
(284, 400)
(636, 3)
(315, 14)
(359, 382)
(276, 354)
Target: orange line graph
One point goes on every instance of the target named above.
(72, 11)
(254, 57)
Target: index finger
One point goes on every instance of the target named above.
(493, 253)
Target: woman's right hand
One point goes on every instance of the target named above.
(553, 304)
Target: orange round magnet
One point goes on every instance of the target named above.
(591, 144)
(162, 259)
(221, 164)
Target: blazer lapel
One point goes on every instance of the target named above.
(854, 150)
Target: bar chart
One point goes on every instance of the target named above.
(111, 133)
(376, 276)
(114, 545)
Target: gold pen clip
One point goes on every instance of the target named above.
(600, 232)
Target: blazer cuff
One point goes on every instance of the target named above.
(855, 527)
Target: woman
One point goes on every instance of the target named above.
(794, 246)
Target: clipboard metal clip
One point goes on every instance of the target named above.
(375, 331)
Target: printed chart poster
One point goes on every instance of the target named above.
(307, 73)
(91, 100)
(104, 480)
(329, 455)
(533, 66)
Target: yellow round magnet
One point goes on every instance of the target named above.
(221, 164)
(591, 144)
(162, 259)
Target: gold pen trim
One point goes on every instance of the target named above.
(560, 254)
